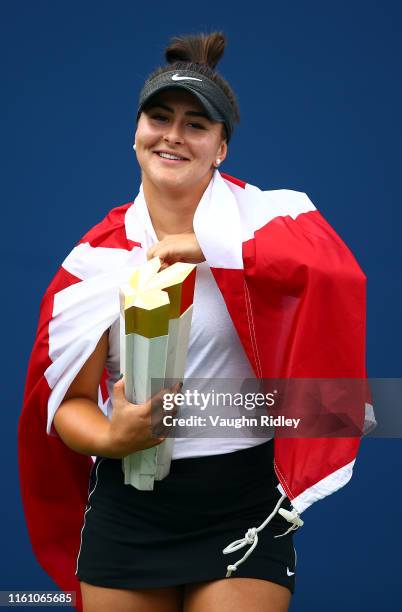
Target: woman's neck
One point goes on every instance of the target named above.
(171, 212)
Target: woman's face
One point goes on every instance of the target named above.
(176, 123)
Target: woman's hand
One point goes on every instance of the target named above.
(177, 247)
(131, 426)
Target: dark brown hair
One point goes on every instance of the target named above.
(200, 53)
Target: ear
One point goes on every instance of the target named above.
(222, 151)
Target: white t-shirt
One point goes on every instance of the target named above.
(215, 352)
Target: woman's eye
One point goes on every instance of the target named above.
(163, 118)
(197, 125)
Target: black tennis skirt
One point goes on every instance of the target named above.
(175, 534)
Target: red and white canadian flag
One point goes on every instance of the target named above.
(296, 296)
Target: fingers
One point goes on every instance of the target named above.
(163, 405)
(158, 398)
(177, 387)
(176, 247)
(151, 252)
(160, 249)
(164, 263)
(166, 393)
(154, 442)
(119, 388)
(166, 258)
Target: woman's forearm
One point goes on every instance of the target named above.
(83, 427)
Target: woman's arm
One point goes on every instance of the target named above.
(85, 429)
(79, 422)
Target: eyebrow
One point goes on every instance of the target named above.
(188, 113)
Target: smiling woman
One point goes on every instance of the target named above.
(178, 147)
(185, 119)
(273, 280)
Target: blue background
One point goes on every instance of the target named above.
(319, 90)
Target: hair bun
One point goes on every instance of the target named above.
(201, 49)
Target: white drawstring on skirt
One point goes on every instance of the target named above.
(251, 536)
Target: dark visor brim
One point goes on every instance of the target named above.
(210, 110)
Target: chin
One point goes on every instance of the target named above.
(170, 180)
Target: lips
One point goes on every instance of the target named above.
(171, 153)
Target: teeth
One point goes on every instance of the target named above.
(168, 156)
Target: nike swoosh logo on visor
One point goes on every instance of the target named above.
(289, 573)
(176, 77)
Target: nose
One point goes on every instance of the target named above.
(173, 133)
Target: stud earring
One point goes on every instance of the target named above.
(134, 146)
(218, 161)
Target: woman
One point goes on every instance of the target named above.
(160, 550)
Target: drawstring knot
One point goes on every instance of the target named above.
(251, 536)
